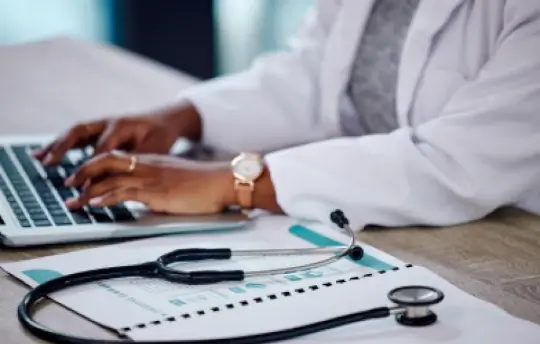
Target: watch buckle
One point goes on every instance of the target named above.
(243, 183)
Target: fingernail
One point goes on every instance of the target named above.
(69, 181)
(48, 159)
(71, 202)
(96, 201)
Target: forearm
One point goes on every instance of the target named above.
(391, 180)
(187, 121)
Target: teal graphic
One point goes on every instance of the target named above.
(42, 275)
(255, 285)
(177, 302)
(312, 274)
(292, 278)
(323, 241)
(237, 290)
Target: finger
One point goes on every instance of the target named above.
(40, 153)
(116, 196)
(79, 135)
(95, 168)
(75, 137)
(103, 187)
(114, 137)
(152, 144)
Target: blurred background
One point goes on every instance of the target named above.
(204, 38)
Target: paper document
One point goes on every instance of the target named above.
(134, 301)
(462, 318)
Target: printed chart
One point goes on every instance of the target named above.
(148, 298)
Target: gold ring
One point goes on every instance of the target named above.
(133, 163)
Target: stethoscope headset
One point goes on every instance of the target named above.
(412, 303)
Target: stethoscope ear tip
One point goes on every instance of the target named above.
(356, 253)
(339, 218)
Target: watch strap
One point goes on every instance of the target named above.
(244, 192)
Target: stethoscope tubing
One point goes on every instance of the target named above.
(205, 277)
(339, 218)
(338, 253)
(148, 270)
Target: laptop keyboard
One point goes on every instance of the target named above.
(36, 193)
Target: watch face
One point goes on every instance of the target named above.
(247, 169)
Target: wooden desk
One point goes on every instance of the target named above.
(51, 84)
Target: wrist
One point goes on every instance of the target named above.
(227, 192)
(185, 120)
(262, 192)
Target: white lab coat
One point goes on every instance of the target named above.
(468, 107)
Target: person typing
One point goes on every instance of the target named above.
(414, 112)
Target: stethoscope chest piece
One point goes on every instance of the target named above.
(413, 304)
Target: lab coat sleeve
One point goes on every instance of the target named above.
(272, 104)
(481, 153)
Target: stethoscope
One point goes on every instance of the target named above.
(411, 302)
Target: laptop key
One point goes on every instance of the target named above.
(42, 223)
(57, 182)
(3, 186)
(56, 211)
(65, 193)
(81, 217)
(26, 163)
(50, 201)
(52, 172)
(30, 202)
(62, 220)
(100, 215)
(25, 223)
(69, 170)
(35, 211)
(121, 213)
(38, 216)
(20, 216)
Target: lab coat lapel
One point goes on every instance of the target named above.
(432, 16)
(339, 52)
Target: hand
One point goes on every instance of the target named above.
(165, 184)
(149, 133)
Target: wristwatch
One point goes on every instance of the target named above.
(246, 168)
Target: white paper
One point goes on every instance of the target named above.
(134, 301)
(461, 317)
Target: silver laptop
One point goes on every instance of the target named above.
(32, 210)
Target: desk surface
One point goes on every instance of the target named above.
(51, 84)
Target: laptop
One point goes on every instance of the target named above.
(32, 210)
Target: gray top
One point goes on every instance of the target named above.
(374, 72)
